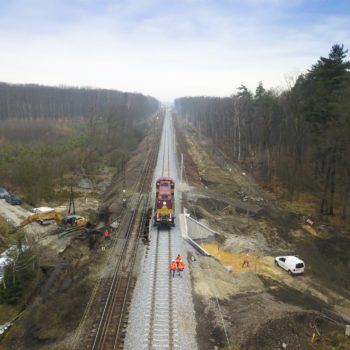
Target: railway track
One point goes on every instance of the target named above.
(166, 154)
(105, 319)
(112, 323)
(161, 332)
(159, 299)
(161, 329)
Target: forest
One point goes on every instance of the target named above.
(50, 136)
(31, 101)
(299, 136)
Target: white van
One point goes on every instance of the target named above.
(292, 264)
(42, 210)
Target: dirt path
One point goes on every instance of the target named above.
(14, 214)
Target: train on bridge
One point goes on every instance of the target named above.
(164, 211)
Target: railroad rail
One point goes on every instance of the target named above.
(161, 331)
(110, 331)
(166, 154)
(103, 325)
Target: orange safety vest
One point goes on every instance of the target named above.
(106, 233)
(246, 258)
(173, 266)
(178, 259)
(181, 266)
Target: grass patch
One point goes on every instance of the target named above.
(4, 234)
(333, 340)
(8, 312)
(304, 203)
(59, 315)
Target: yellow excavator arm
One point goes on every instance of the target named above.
(54, 215)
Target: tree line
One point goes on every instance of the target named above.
(23, 101)
(300, 135)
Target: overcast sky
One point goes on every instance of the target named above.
(167, 49)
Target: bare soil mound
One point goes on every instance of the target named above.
(212, 280)
(289, 329)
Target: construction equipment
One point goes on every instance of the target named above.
(44, 215)
(42, 218)
(71, 220)
(75, 220)
(71, 209)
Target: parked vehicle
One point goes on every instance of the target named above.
(292, 264)
(42, 210)
(3, 193)
(13, 199)
(45, 215)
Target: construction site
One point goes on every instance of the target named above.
(104, 278)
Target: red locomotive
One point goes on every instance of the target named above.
(165, 204)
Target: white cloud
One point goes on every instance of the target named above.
(135, 46)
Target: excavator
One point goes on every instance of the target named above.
(70, 220)
(45, 214)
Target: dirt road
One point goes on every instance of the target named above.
(14, 214)
(35, 232)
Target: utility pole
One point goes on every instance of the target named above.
(71, 209)
(124, 181)
(174, 135)
(245, 174)
(181, 167)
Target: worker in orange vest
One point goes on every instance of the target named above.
(106, 235)
(180, 267)
(246, 260)
(178, 259)
(173, 267)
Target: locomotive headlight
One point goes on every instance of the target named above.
(164, 203)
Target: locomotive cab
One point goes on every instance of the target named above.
(164, 205)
